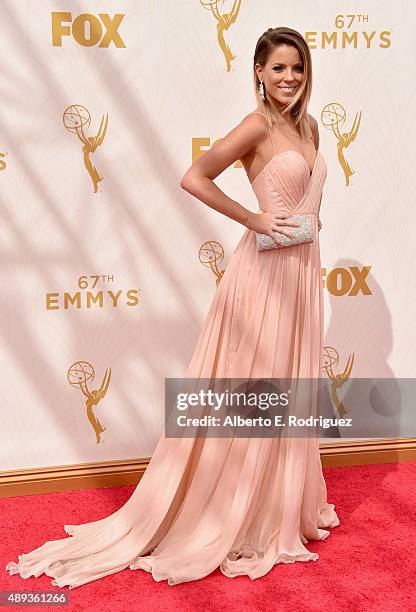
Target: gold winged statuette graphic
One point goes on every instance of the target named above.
(90, 145)
(76, 119)
(331, 357)
(210, 253)
(79, 375)
(93, 398)
(333, 116)
(224, 22)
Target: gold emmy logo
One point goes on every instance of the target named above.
(331, 358)
(76, 118)
(210, 253)
(346, 281)
(224, 22)
(79, 375)
(87, 29)
(2, 161)
(333, 116)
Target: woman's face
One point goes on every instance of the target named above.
(282, 74)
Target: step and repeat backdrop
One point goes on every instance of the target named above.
(108, 267)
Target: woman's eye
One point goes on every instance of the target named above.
(278, 68)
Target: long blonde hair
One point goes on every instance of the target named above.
(298, 106)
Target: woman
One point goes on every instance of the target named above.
(241, 504)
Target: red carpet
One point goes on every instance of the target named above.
(368, 563)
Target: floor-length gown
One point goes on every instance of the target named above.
(241, 504)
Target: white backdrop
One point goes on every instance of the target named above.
(161, 77)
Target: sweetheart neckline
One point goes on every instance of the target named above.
(310, 172)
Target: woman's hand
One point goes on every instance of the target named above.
(269, 223)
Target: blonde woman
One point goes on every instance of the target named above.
(240, 504)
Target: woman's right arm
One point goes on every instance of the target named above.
(199, 178)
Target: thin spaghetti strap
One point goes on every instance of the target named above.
(268, 127)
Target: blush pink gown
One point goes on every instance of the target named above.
(241, 504)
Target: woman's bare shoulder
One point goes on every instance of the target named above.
(312, 119)
(241, 142)
(254, 127)
(255, 118)
(314, 129)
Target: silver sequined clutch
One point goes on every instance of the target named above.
(301, 234)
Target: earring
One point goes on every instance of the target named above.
(261, 91)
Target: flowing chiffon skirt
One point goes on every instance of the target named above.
(240, 504)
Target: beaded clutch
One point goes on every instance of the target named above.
(301, 234)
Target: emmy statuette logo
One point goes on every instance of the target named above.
(330, 359)
(3, 164)
(87, 30)
(80, 374)
(333, 116)
(224, 22)
(210, 253)
(76, 119)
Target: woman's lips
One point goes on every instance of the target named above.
(287, 90)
